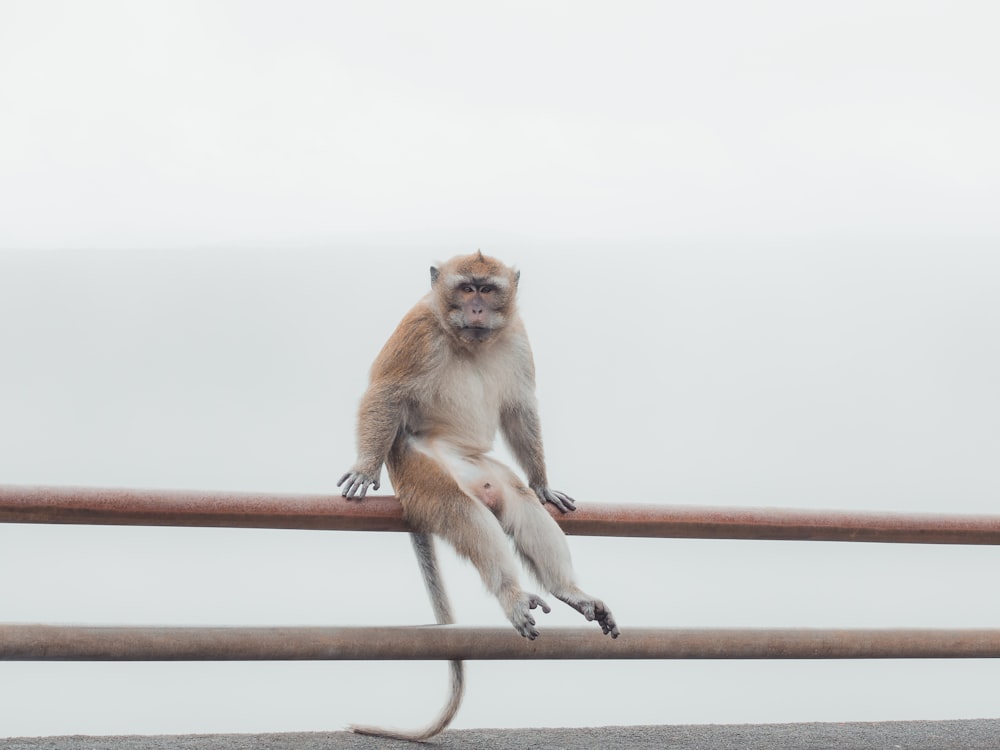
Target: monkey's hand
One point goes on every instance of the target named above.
(559, 499)
(356, 484)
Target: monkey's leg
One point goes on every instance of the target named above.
(437, 505)
(543, 547)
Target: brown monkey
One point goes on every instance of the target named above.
(457, 369)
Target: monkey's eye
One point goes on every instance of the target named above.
(485, 289)
(468, 289)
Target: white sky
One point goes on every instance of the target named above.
(270, 123)
(760, 266)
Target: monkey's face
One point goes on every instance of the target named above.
(477, 310)
(475, 297)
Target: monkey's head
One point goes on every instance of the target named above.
(474, 297)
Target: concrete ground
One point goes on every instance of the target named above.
(920, 735)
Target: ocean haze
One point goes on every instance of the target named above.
(849, 378)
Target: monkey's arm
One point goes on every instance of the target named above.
(397, 370)
(379, 419)
(522, 430)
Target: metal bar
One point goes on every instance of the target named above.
(331, 512)
(129, 507)
(83, 643)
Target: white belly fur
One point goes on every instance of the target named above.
(480, 477)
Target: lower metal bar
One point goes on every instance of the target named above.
(75, 505)
(84, 643)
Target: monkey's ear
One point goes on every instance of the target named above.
(434, 275)
(517, 277)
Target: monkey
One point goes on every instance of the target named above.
(457, 370)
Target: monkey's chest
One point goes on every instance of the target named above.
(467, 401)
(467, 387)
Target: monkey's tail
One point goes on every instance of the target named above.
(423, 545)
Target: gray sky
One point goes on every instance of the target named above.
(759, 267)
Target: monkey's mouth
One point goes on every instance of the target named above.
(475, 333)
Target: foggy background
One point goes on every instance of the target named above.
(759, 268)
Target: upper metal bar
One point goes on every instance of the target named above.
(129, 507)
(91, 643)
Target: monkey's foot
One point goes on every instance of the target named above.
(595, 609)
(520, 614)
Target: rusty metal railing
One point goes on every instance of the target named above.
(70, 505)
(93, 643)
(331, 512)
